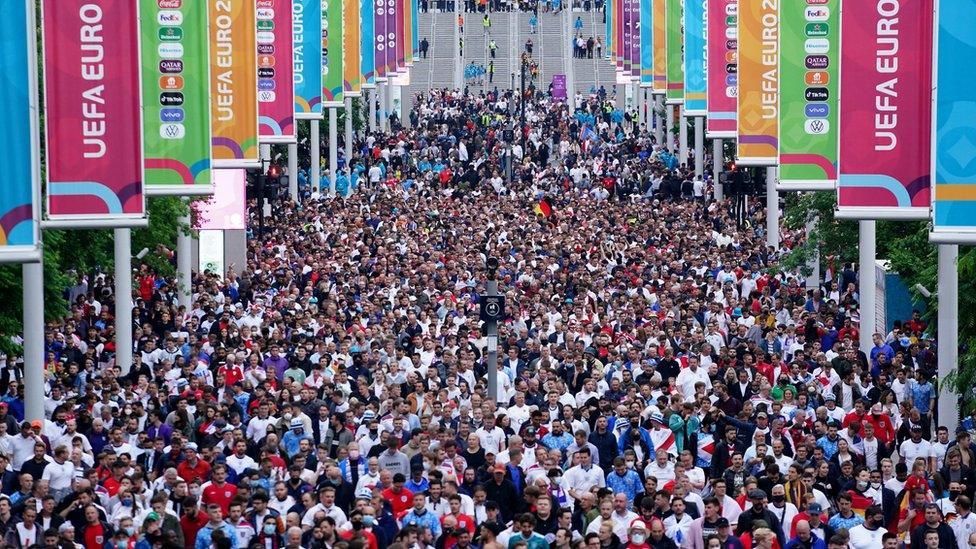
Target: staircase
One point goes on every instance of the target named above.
(596, 72)
(437, 71)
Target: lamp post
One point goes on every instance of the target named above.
(522, 105)
(492, 311)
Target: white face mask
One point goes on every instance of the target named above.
(637, 539)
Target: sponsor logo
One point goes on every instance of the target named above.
(817, 110)
(816, 94)
(730, 20)
(816, 126)
(731, 33)
(170, 66)
(816, 45)
(172, 131)
(266, 61)
(817, 14)
(731, 68)
(731, 91)
(818, 2)
(731, 9)
(731, 44)
(817, 78)
(266, 84)
(731, 56)
(266, 96)
(169, 18)
(169, 4)
(170, 50)
(265, 13)
(171, 115)
(732, 80)
(817, 29)
(265, 25)
(266, 73)
(817, 62)
(171, 34)
(171, 82)
(265, 37)
(265, 3)
(266, 49)
(171, 99)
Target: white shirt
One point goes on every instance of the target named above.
(491, 439)
(581, 480)
(238, 464)
(909, 451)
(662, 474)
(963, 527)
(862, 538)
(59, 475)
(687, 379)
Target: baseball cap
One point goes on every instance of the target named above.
(756, 493)
(297, 424)
(499, 468)
(814, 509)
(722, 522)
(153, 515)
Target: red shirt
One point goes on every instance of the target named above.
(95, 535)
(190, 526)
(221, 495)
(232, 374)
(190, 473)
(399, 502)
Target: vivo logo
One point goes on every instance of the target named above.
(817, 110)
(732, 80)
(266, 84)
(171, 115)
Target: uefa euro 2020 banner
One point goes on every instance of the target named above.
(234, 83)
(19, 203)
(696, 98)
(954, 134)
(307, 55)
(659, 9)
(810, 57)
(352, 78)
(758, 102)
(332, 53)
(723, 68)
(635, 43)
(367, 50)
(885, 110)
(675, 54)
(276, 80)
(93, 111)
(647, 45)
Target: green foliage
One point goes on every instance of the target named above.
(833, 238)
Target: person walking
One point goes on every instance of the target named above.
(424, 46)
(492, 47)
(486, 23)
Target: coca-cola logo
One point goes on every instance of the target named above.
(169, 4)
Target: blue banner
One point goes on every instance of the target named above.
(696, 92)
(367, 59)
(608, 42)
(307, 54)
(954, 121)
(415, 34)
(19, 230)
(646, 44)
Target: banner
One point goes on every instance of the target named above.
(647, 45)
(608, 40)
(722, 65)
(390, 26)
(276, 79)
(676, 59)
(399, 21)
(307, 55)
(659, 43)
(635, 42)
(408, 37)
(332, 53)
(696, 98)
(367, 54)
(210, 251)
(227, 208)
(352, 84)
(808, 96)
(619, 22)
(233, 83)
(93, 112)
(885, 110)
(758, 106)
(954, 204)
(415, 31)
(379, 45)
(19, 203)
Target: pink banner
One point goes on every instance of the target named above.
(722, 68)
(392, 15)
(401, 59)
(885, 109)
(227, 208)
(276, 88)
(93, 115)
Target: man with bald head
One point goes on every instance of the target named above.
(805, 538)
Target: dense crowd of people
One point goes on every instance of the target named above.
(663, 380)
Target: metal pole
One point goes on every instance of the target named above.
(384, 91)
(669, 129)
(123, 299)
(813, 281)
(718, 163)
(316, 160)
(700, 146)
(184, 261)
(772, 209)
(34, 340)
(866, 282)
(682, 136)
(348, 139)
(658, 124)
(333, 148)
(293, 171)
(491, 328)
(948, 334)
(522, 110)
(388, 108)
(372, 107)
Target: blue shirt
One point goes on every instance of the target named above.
(629, 484)
(922, 395)
(206, 533)
(426, 520)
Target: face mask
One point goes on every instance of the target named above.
(779, 499)
(126, 502)
(630, 464)
(369, 521)
(953, 495)
(288, 416)
(876, 485)
(862, 485)
(130, 531)
(637, 539)
(269, 529)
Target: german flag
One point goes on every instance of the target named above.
(544, 208)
